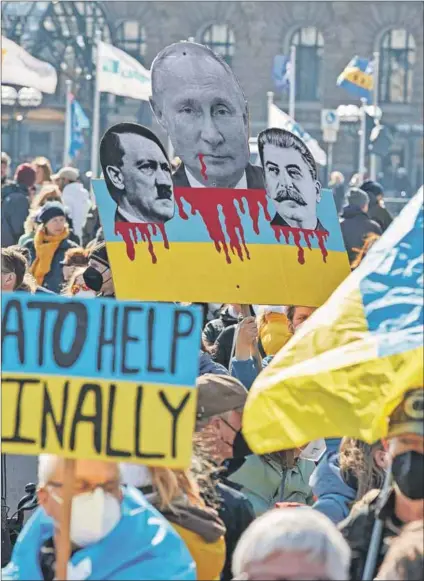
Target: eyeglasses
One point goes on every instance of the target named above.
(82, 486)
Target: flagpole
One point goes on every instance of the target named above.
(292, 97)
(67, 144)
(376, 75)
(362, 138)
(96, 113)
(270, 97)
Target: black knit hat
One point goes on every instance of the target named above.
(49, 211)
(373, 189)
(99, 253)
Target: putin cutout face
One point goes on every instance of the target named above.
(201, 107)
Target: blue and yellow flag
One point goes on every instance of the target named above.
(357, 78)
(349, 365)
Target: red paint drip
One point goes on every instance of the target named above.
(129, 233)
(203, 167)
(321, 236)
(207, 202)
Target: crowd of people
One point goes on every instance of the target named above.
(232, 514)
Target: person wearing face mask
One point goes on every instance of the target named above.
(115, 533)
(401, 503)
(47, 249)
(98, 275)
(220, 403)
(76, 286)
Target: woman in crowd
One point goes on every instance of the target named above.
(48, 248)
(176, 494)
(50, 193)
(75, 286)
(75, 258)
(43, 171)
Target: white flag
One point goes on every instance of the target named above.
(281, 120)
(21, 68)
(121, 74)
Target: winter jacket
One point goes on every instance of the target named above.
(53, 280)
(334, 496)
(76, 198)
(200, 528)
(264, 482)
(356, 225)
(379, 214)
(224, 346)
(339, 197)
(246, 370)
(208, 365)
(14, 212)
(214, 328)
(236, 512)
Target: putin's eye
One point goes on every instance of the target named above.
(221, 111)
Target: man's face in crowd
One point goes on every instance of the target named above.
(287, 565)
(406, 443)
(8, 280)
(89, 474)
(107, 287)
(145, 179)
(220, 433)
(4, 169)
(201, 108)
(290, 185)
(300, 316)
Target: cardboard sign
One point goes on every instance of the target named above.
(217, 229)
(99, 379)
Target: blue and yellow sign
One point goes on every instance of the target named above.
(99, 379)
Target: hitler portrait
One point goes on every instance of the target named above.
(137, 172)
(199, 102)
(290, 175)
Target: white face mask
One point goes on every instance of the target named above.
(314, 450)
(93, 516)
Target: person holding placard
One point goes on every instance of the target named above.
(115, 533)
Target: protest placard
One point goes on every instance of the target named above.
(99, 379)
(219, 228)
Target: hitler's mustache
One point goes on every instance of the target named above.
(290, 194)
(164, 192)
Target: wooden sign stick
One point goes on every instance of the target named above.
(62, 537)
(245, 311)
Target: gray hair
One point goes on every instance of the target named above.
(299, 530)
(286, 140)
(47, 464)
(181, 48)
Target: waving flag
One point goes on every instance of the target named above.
(358, 78)
(79, 122)
(347, 368)
(281, 70)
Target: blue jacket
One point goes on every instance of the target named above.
(334, 495)
(142, 546)
(247, 370)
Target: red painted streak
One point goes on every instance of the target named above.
(208, 202)
(203, 167)
(286, 231)
(129, 233)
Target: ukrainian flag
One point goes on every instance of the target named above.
(347, 368)
(357, 78)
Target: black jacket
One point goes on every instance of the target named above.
(14, 211)
(358, 526)
(254, 177)
(379, 214)
(223, 347)
(356, 225)
(214, 328)
(53, 280)
(236, 513)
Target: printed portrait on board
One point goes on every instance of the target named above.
(137, 172)
(291, 183)
(198, 100)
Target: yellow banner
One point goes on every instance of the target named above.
(98, 419)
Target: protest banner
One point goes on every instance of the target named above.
(99, 379)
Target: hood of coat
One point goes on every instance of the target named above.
(327, 479)
(353, 212)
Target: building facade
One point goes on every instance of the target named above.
(248, 35)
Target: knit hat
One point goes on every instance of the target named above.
(373, 189)
(357, 197)
(49, 211)
(25, 175)
(218, 394)
(68, 173)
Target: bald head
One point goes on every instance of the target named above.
(199, 102)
